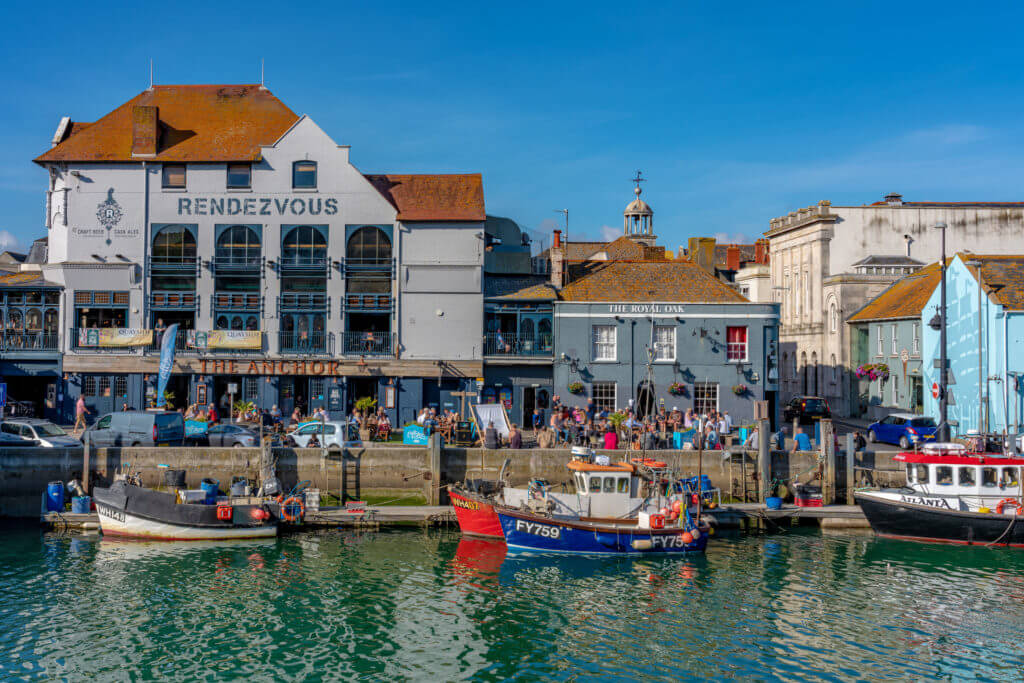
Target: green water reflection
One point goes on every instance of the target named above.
(418, 605)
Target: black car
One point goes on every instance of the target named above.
(231, 436)
(807, 409)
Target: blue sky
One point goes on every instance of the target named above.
(736, 113)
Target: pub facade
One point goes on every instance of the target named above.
(295, 280)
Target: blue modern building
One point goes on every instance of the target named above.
(985, 344)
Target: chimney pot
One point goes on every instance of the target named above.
(732, 257)
(556, 243)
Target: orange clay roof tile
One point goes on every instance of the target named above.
(904, 298)
(669, 281)
(433, 197)
(196, 123)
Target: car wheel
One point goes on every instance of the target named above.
(904, 442)
(136, 444)
(334, 448)
(237, 445)
(871, 436)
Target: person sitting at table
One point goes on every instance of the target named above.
(545, 438)
(370, 424)
(611, 439)
(384, 427)
(491, 437)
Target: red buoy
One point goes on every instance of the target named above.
(687, 537)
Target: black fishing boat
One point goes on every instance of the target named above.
(128, 510)
(951, 496)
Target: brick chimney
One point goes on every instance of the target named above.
(557, 254)
(732, 257)
(761, 251)
(145, 130)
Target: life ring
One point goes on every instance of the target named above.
(289, 505)
(1009, 501)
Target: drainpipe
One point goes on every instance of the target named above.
(1006, 375)
(145, 251)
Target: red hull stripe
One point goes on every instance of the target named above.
(926, 539)
(476, 518)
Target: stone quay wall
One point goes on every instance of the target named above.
(412, 472)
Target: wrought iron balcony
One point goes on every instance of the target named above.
(227, 261)
(174, 301)
(303, 263)
(367, 343)
(303, 303)
(369, 303)
(241, 302)
(302, 343)
(511, 345)
(29, 340)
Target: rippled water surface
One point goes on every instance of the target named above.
(431, 605)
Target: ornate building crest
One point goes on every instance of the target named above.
(109, 212)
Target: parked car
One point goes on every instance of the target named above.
(807, 409)
(330, 434)
(233, 436)
(9, 440)
(904, 429)
(137, 428)
(45, 432)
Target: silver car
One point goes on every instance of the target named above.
(44, 432)
(330, 434)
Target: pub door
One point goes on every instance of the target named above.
(529, 403)
(286, 396)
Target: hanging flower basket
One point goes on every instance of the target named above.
(739, 389)
(677, 389)
(576, 388)
(873, 371)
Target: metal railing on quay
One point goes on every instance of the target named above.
(512, 344)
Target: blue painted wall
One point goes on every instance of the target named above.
(1001, 354)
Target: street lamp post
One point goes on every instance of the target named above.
(943, 369)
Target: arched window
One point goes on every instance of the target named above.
(304, 244)
(544, 334)
(814, 373)
(369, 246)
(785, 367)
(304, 175)
(222, 322)
(174, 244)
(526, 329)
(239, 245)
(34, 319)
(833, 317)
(14, 321)
(51, 320)
(835, 368)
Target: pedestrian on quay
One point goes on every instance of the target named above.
(80, 412)
(515, 438)
(801, 442)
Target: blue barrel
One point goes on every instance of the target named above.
(55, 496)
(210, 486)
(80, 505)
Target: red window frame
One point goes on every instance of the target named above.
(736, 339)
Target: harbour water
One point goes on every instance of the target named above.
(415, 605)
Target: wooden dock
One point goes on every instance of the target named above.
(752, 516)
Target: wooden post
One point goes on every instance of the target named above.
(851, 472)
(828, 452)
(433, 482)
(764, 459)
(87, 447)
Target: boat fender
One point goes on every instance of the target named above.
(642, 544)
(695, 533)
(293, 509)
(686, 537)
(695, 498)
(711, 531)
(1008, 501)
(259, 514)
(224, 513)
(677, 506)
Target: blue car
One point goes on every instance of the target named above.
(903, 429)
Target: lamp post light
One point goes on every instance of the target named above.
(943, 362)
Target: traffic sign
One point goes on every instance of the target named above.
(950, 379)
(935, 390)
(950, 400)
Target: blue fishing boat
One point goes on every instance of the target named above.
(621, 508)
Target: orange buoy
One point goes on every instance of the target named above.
(687, 537)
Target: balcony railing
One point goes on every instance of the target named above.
(303, 263)
(201, 342)
(16, 340)
(513, 345)
(183, 264)
(380, 303)
(233, 262)
(305, 343)
(237, 302)
(303, 303)
(174, 301)
(370, 266)
(366, 343)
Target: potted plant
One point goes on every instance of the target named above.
(677, 389)
(740, 389)
(365, 405)
(576, 388)
(617, 418)
(873, 371)
(169, 400)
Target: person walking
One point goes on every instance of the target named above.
(80, 412)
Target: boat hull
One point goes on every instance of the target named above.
(906, 520)
(526, 532)
(476, 515)
(136, 512)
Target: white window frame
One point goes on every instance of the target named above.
(700, 390)
(746, 345)
(917, 338)
(669, 347)
(895, 391)
(881, 341)
(895, 340)
(613, 344)
(833, 317)
(601, 403)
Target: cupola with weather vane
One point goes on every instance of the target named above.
(638, 218)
